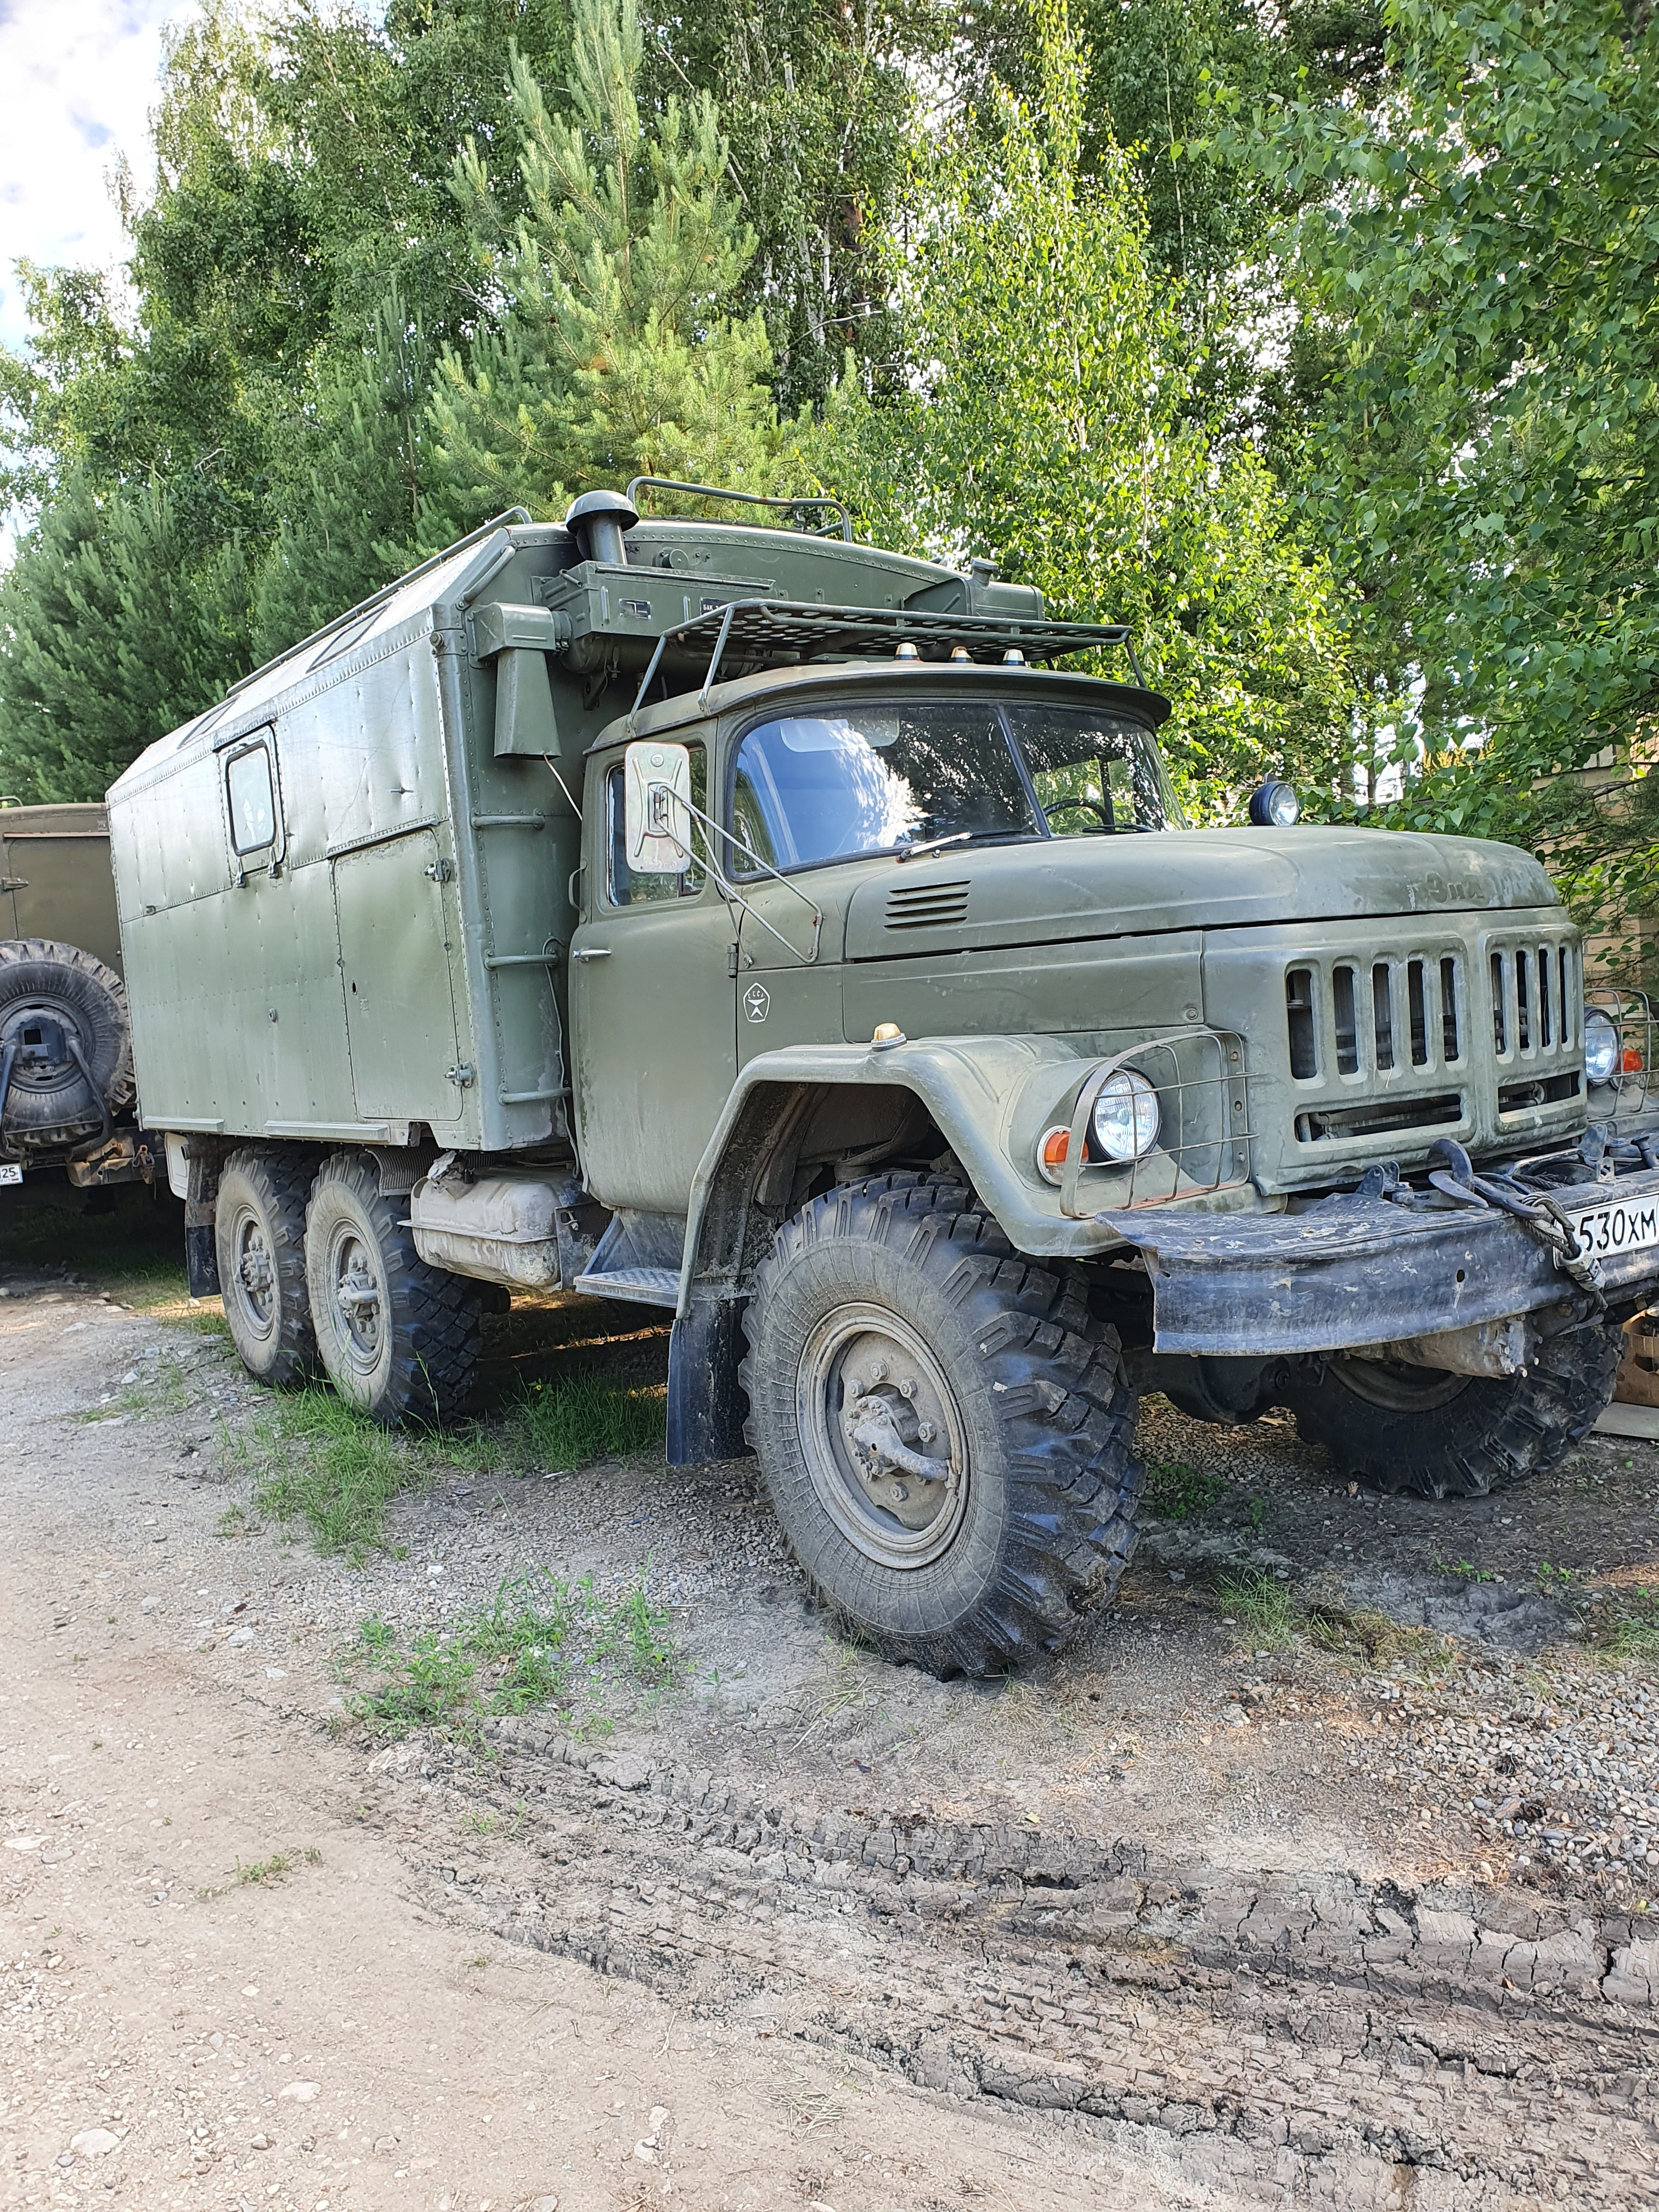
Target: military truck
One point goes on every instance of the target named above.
(66, 1080)
(769, 929)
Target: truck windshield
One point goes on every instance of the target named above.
(855, 779)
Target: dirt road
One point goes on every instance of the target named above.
(1214, 1912)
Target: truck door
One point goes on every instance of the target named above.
(394, 960)
(652, 1014)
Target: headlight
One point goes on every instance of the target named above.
(1601, 1049)
(1125, 1123)
(1275, 805)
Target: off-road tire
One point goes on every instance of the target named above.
(1491, 1431)
(1047, 1521)
(78, 991)
(422, 1357)
(259, 1239)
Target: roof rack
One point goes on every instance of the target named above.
(791, 630)
(843, 525)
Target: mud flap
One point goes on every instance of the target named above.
(706, 1403)
(201, 1259)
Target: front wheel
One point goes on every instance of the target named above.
(1404, 1428)
(399, 1338)
(945, 1428)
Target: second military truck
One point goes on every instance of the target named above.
(761, 926)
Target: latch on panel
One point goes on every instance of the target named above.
(462, 1073)
(439, 871)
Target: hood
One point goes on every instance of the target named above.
(1061, 891)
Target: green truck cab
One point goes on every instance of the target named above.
(67, 1127)
(770, 929)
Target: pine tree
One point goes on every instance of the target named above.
(615, 354)
(115, 626)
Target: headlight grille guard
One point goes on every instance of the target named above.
(1203, 1100)
(1636, 1025)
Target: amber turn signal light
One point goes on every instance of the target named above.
(1052, 1148)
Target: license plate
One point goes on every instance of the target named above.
(10, 1172)
(1629, 1224)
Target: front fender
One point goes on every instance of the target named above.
(975, 1088)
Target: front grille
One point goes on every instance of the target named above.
(926, 906)
(1394, 1014)
(1535, 994)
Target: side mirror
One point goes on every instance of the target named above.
(657, 807)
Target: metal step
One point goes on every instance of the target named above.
(647, 1287)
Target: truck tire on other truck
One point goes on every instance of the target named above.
(945, 1430)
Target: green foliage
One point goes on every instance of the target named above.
(616, 355)
(1176, 1491)
(316, 1459)
(1478, 263)
(1043, 406)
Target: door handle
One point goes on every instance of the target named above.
(591, 952)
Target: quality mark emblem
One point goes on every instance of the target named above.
(757, 1002)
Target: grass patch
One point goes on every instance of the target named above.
(162, 1391)
(523, 1655)
(1176, 1491)
(588, 1416)
(1260, 1604)
(316, 1459)
(1625, 1624)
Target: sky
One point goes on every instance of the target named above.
(78, 80)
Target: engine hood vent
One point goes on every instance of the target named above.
(926, 906)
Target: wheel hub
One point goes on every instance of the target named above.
(254, 1272)
(357, 1294)
(884, 1436)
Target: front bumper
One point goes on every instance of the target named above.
(1360, 1271)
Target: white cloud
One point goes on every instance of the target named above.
(78, 80)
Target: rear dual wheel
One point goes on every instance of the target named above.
(320, 1269)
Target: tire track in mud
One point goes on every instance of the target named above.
(1306, 2035)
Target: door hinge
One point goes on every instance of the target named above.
(731, 960)
(462, 1073)
(439, 871)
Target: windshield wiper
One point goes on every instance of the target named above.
(962, 838)
(932, 845)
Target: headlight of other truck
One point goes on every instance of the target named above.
(1601, 1049)
(1125, 1121)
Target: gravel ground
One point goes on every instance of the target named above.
(1417, 1729)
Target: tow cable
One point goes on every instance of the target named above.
(1545, 1220)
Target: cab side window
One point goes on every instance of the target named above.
(627, 886)
(250, 792)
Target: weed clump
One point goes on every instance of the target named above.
(523, 1655)
(1176, 1491)
(1262, 1606)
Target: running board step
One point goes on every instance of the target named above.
(646, 1286)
